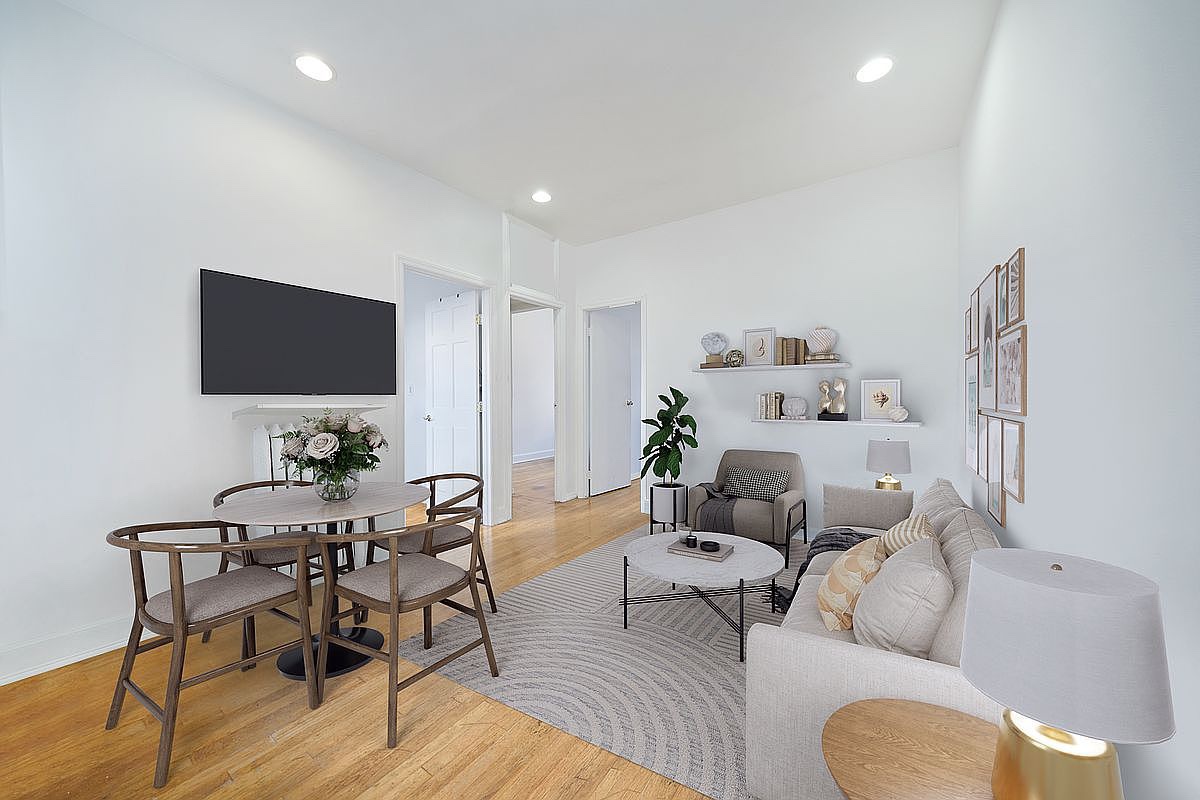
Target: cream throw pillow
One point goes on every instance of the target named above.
(905, 532)
(846, 577)
(903, 607)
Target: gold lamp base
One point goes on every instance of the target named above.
(888, 481)
(1038, 762)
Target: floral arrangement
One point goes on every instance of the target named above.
(333, 446)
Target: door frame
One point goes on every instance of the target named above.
(584, 377)
(562, 462)
(497, 500)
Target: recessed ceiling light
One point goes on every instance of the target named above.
(874, 69)
(541, 196)
(314, 68)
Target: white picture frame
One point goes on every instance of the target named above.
(987, 341)
(759, 346)
(971, 397)
(879, 397)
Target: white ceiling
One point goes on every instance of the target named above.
(630, 112)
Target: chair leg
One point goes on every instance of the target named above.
(310, 671)
(114, 711)
(487, 581)
(427, 617)
(393, 675)
(249, 641)
(220, 570)
(323, 646)
(787, 553)
(483, 631)
(170, 711)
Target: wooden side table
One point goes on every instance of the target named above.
(905, 750)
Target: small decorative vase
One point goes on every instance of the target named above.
(795, 408)
(714, 343)
(822, 340)
(898, 414)
(332, 491)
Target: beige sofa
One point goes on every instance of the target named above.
(799, 673)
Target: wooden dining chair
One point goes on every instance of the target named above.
(191, 607)
(404, 582)
(451, 536)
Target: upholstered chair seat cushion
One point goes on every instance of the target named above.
(445, 536)
(209, 598)
(902, 608)
(419, 576)
(273, 556)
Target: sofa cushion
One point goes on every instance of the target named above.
(938, 503)
(803, 614)
(905, 532)
(841, 585)
(851, 506)
(755, 483)
(902, 608)
(966, 534)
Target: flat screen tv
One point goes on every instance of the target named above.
(260, 337)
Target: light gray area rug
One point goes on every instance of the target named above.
(668, 693)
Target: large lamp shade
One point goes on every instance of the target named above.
(1070, 642)
(888, 456)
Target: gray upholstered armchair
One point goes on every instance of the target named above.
(774, 523)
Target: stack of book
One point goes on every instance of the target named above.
(790, 351)
(770, 405)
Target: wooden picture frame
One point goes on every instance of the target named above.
(975, 321)
(1012, 455)
(1015, 286)
(971, 398)
(995, 478)
(759, 346)
(1012, 371)
(1001, 296)
(879, 397)
(987, 341)
(969, 332)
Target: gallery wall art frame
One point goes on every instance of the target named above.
(987, 341)
(879, 397)
(969, 331)
(981, 426)
(759, 346)
(1015, 286)
(1012, 454)
(995, 468)
(974, 320)
(971, 398)
(1012, 371)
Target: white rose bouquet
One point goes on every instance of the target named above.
(333, 446)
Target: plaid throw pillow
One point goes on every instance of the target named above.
(756, 484)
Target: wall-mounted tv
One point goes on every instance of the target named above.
(261, 337)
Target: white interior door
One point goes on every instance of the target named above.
(609, 449)
(452, 385)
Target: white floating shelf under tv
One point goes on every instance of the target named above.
(304, 409)
(850, 422)
(774, 367)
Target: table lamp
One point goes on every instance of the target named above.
(888, 457)
(1074, 651)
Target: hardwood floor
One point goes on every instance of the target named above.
(251, 735)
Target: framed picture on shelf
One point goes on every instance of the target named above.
(759, 346)
(1013, 455)
(971, 392)
(995, 468)
(1011, 371)
(1015, 286)
(879, 397)
(981, 427)
(987, 342)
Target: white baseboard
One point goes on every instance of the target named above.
(51, 652)
(521, 458)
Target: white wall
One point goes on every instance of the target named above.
(125, 173)
(872, 255)
(1082, 147)
(419, 291)
(533, 384)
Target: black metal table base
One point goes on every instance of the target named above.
(339, 659)
(739, 627)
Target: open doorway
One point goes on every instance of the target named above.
(443, 377)
(613, 396)
(533, 405)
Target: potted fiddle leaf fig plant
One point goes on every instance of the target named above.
(663, 455)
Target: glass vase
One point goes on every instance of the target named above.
(336, 490)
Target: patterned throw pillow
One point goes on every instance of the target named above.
(905, 532)
(756, 484)
(839, 589)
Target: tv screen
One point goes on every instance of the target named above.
(262, 337)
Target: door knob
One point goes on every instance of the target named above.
(428, 418)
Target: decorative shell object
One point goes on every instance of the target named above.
(714, 343)
(822, 339)
(898, 414)
(735, 358)
(795, 408)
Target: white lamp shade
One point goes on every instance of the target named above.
(1073, 643)
(888, 456)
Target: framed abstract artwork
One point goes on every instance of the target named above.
(1013, 457)
(987, 342)
(1014, 287)
(995, 468)
(971, 393)
(1011, 371)
(759, 346)
(879, 397)
(981, 427)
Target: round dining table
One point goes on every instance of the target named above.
(300, 506)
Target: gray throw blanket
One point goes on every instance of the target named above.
(829, 540)
(716, 513)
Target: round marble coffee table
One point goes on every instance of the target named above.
(745, 570)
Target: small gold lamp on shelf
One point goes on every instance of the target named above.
(889, 458)
(1074, 651)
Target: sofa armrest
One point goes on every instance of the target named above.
(696, 496)
(854, 507)
(796, 680)
(789, 513)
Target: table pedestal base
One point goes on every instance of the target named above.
(339, 660)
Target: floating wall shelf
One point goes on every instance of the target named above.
(304, 409)
(851, 422)
(774, 367)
